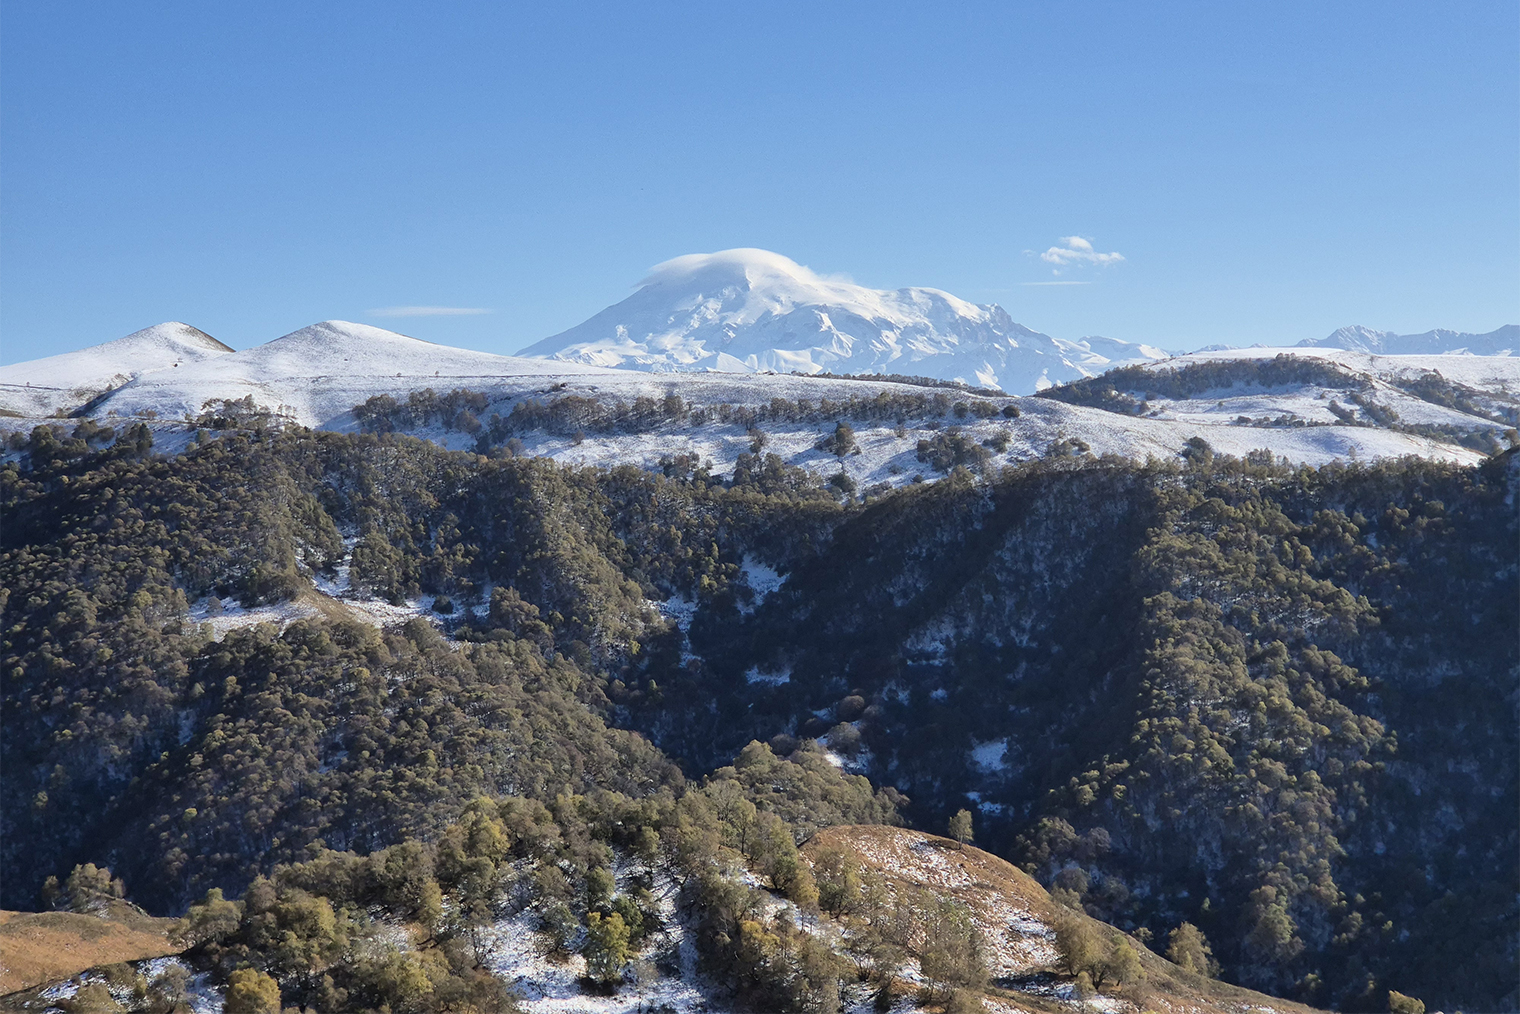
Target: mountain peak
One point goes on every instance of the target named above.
(43, 386)
(749, 310)
(171, 332)
(341, 332)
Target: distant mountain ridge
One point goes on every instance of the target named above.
(749, 310)
(1503, 341)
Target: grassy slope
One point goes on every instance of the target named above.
(1014, 914)
(42, 947)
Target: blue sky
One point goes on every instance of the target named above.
(1267, 172)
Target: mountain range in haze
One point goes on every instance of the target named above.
(1504, 341)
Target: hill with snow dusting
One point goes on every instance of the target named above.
(316, 376)
(318, 373)
(751, 310)
(43, 386)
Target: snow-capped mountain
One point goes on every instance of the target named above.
(43, 386)
(1504, 341)
(754, 311)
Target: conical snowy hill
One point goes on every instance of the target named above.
(340, 347)
(318, 373)
(43, 386)
(752, 310)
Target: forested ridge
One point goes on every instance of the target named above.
(1275, 703)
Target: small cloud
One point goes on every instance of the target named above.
(1076, 250)
(428, 311)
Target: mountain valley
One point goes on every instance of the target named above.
(397, 672)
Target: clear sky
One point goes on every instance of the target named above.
(1267, 172)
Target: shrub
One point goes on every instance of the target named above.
(606, 947)
(841, 442)
(1187, 948)
(250, 991)
(960, 826)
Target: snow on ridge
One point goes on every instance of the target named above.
(886, 457)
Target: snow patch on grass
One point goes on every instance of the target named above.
(989, 756)
(663, 975)
(228, 615)
(774, 678)
(762, 580)
(678, 610)
(202, 994)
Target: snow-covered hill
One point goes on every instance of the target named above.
(315, 376)
(754, 311)
(43, 386)
(1504, 341)
(1497, 374)
(318, 373)
(1468, 399)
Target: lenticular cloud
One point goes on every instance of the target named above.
(1076, 250)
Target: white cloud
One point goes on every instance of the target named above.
(428, 311)
(1076, 250)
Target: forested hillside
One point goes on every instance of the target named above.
(1278, 704)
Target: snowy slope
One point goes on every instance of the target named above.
(752, 310)
(886, 457)
(1497, 374)
(1504, 341)
(318, 373)
(43, 386)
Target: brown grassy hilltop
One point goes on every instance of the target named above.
(1017, 918)
(43, 947)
